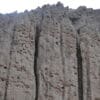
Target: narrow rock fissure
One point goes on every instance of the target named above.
(9, 66)
(37, 35)
(80, 66)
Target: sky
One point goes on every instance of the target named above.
(8, 6)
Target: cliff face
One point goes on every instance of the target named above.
(51, 53)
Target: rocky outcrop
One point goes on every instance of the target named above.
(51, 53)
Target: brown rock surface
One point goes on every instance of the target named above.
(51, 53)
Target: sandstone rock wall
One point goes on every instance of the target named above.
(51, 53)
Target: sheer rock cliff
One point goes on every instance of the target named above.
(51, 53)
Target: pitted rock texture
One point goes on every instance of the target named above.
(51, 53)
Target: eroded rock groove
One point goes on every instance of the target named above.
(80, 66)
(35, 61)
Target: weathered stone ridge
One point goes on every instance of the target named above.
(51, 53)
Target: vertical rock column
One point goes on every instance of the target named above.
(68, 45)
(91, 55)
(21, 78)
(56, 62)
(6, 27)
